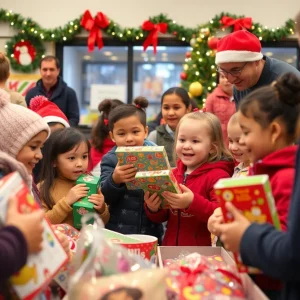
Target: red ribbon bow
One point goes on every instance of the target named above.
(94, 26)
(105, 122)
(153, 35)
(237, 24)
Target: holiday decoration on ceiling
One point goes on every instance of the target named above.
(199, 71)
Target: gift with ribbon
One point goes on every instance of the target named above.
(94, 26)
(153, 29)
(238, 24)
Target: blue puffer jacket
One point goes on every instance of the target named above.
(127, 214)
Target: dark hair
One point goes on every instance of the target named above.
(49, 58)
(59, 142)
(128, 110)
(101, 130)
(134, 293)
(278, 100)
(182, 93)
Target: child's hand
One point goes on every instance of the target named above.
(153, 202)
(179, 201)
(77, 192)
(29, 224)
(232, 233)
(98, 201)
(63, 239)
(124, 173)
(215, 218)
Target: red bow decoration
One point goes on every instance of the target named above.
(153, 35)
(237, 24)
(94, 26)
(105, 122)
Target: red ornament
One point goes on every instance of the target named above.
(212, 43)
(94, 26)
(24, 53)
(188, 55)
(183, 76)
(175, 32)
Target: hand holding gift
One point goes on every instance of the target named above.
(179, 201)
(215, 219)
(98, 201)
(153, 202)
(77, 192)
(123, 174)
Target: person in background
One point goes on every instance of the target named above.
(220, 103)
(240, 60)
(55, 119)
(52, 86)
(101, 141)
(175, 103)
(15, 97)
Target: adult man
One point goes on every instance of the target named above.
(240, 59)
(55, 89)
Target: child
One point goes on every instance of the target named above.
(66, 158)
(101, 142)
(268, 118)
(203, 160)
(55, 118)
(240, 154)
(127, 127)
(175, 103)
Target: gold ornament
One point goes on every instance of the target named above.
(196, 89)
(190, 95)
(185, 67)
(199, 40)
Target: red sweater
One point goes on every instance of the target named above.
(280, 166)
(189, 227)
(96, 156)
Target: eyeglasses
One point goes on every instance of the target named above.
(234, 73)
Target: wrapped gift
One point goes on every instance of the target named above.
(144, 158)
(83, 206)
(252, 195)
(155, 182)
(40, 268)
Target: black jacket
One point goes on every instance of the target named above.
(63, 96)
(127, 214)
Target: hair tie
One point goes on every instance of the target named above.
(105, 122)
(138, 106)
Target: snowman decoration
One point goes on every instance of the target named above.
(24, 58)
(24, 53)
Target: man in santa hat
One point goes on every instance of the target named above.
(240, 60)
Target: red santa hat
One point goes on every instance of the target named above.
(239, 46)
(48, 110)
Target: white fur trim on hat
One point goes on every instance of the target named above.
(237, 56)
(49, 119)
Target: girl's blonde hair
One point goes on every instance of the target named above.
(4, 67)
(215, 131)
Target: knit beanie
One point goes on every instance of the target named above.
(18, 125)
(238, 46)
(48, 110)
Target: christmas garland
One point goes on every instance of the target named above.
(199, 75)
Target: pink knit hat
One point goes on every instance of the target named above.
(18, 125)
(48, 110)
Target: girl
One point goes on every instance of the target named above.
(66, 158)
(268, 118)
(101, 142)
(175, 103)
(203, 160)
(127, 127)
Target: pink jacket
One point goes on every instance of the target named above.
(220, 105)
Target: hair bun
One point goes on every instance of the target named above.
(105, 105)
(4, 98)
(142, 102)
(288, 87)
(37, 101)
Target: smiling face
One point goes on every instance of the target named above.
(72, 164)
(173, 109)
(248, 76)
(31, 153)
(193, 145)
(129, 132)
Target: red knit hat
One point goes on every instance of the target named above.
(48, 110)
(239, 46)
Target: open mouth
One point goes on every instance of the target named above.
(187, 155)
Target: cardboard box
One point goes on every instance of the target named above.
(251, 289)
(252, 195)
(144, 158)
(155, 182)
(40, 268)
(83, 206)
